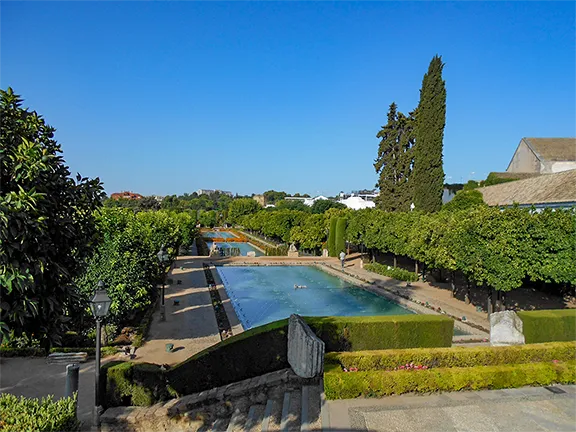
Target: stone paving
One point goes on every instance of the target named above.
(512, 410)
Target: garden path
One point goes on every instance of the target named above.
(190, 325)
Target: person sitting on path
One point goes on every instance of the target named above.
(342, 258)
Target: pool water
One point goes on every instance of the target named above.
(264, 294)
(218, 234)
(244, 247)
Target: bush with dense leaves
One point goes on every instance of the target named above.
(548, 325)
(38, 415)
(393, 272)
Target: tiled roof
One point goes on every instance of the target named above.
(553, 149)
(546, 188)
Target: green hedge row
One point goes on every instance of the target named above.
(383, 332)
(549, 325)
(454, 357)
(21, 352)
(331, 244)
(393, 272)
(341, 385)
(38, 415)
(281, 250)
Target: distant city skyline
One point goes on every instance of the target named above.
(164, 98)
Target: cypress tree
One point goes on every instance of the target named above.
(394, 161)
(428, 176)
(332, 238)
(339, 242)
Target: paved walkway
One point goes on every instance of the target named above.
(528, 409)
(191, 325)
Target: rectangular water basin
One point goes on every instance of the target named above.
(264, 294)
(243, 246)
(218, 234)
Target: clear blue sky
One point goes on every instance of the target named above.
(169, 97)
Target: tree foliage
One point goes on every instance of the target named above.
(241, 207)
(394, 161)
(428, 173)
(47, 227)
(464, 199)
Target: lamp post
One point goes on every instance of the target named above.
(163, 257)
(100, 304)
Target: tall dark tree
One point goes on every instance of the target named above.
(394, 161)
(428, 176)
(47, 226)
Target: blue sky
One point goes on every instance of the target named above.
(169, 97)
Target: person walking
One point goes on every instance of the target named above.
(342, 257)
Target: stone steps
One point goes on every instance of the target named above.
(67, 358)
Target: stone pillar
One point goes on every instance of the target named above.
(305, 349)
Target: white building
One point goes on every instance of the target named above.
(357, 203)
(543, 156)
(310, 201)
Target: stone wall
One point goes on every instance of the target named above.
(305, 349)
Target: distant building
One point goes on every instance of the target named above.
(292, 198)
(126, 195)
(260, 199)
(310, 201)
(556, 190)
(543, 156)
(357, 203)
(213, 191)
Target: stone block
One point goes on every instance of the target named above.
(111, 415)
(305, 349)
(505, 329)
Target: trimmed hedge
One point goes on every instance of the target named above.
(339, 242)
(331, 244)
(22, 352)
(252, 353)
(39, 415)
(383, 332)
(91, 351)
(393, 272)
(549, 325)
(139, 384)
(454, 357)
(342, 385)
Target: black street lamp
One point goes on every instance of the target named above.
(100, 304)
(163, 257)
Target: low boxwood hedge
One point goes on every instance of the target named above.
(454, 357)
(342, 385)
(383, 332)
(252, 353)
(39, 415)
(22, 352)
(393, 272)
(549, 325)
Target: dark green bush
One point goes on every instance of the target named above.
(331, 244)
(393, 272)
(383, 332)
(38, 415)
(252, 353)
(454, 356)
(281, 250)
(346, 385)
(339, 242)
(21, 352)
(138, 384)
(549, 325)
(202, 247)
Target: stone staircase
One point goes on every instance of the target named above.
(278, 401)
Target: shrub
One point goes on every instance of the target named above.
(339, 243)
(464, 199)
(91, 351)
(382, 332)
(341, 385)
(252, 353)
(332, 237)
(202, 247)
(549, 325)
(281, 250)
(41, 415)
(139, 384)
(454, 357)
(393, 272)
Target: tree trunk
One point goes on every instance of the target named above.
(453, 284)
(395, 261)
(498, 302)
(416, 269)
(489, 303)
(467, 295)
(373, 257)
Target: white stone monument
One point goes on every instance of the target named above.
(506, 329)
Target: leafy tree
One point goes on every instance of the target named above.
(428, 176)
(463, 200)
(272, 196)
(207, 218)
(394, 161)
(292, 205)
(148, 203)
(321, 206)
(47, 227)
(240, 207)
(171, 202)
(311, 234)
(470, 185)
